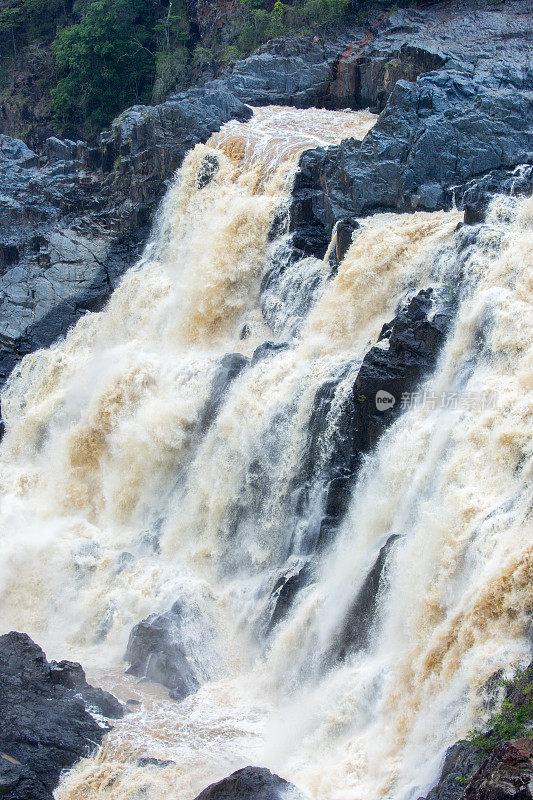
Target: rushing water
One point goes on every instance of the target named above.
(116, 499)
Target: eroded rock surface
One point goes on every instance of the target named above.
(75, 219)
(47, 718)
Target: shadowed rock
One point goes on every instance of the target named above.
(45, 726)
(155, 651)
(251, 783)
(229, 368)
(357, 626)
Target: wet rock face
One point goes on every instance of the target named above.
(460, 763)
(406, 351)
(479, 192)
(177, 648)
(46, 726)
(75, 219)
(357, 627)
(506, 775)
(155, 652)
(230, 367)
(433, 137)
(146, 144)
(251, 783)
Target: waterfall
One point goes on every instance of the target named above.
(175, 454)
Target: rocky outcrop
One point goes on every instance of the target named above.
(434, 137)
(167, 648)
(406, 351)
(75, 219)
(48, 723)
(156, 652)
(251, 783)
(454, 84)
(146, 144)
(507, 774)
(286, 71)
(460, 763)
(491, 765)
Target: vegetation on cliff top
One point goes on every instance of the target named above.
(74, 64)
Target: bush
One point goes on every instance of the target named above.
(515, 716)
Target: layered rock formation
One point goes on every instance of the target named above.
(74, 219)
(48, 718)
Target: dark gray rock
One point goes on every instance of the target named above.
(251, 783)
(155, 651)
(73, 221)
(460, 763)
(177, 648)
(433, 137)
(406, 351)
(229, 368)
(155, 762)
(357, 626)
(285, 71)
(46, 726)
(478, 193)
(70, 675)
(268, 349)
(146, 144)
(284, 591)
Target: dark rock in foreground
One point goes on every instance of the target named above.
(251, 783)
(155, 652)
(45, 726)
(507, 774)
(170, 648)
(493, 766)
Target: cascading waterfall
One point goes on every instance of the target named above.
(143, 467)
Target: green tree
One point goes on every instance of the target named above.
(105, 61)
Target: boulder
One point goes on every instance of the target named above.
(155, 652)
(177, 648)
(251, 783)
(47, 718)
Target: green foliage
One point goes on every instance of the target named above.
(264, 20)
(105, 61)
(90, 59)
(514, 718)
